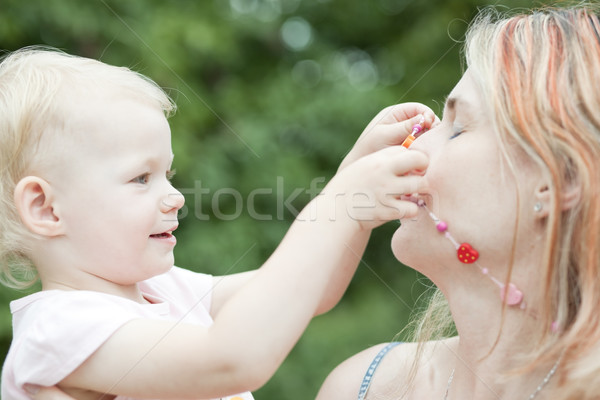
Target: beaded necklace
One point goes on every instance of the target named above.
(509, 294)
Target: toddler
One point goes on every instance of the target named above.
(87, 206)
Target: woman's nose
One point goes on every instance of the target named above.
(424, 141)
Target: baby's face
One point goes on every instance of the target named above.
(117, 203)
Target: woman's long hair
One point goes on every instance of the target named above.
(539, 76)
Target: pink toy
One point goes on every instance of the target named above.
(415, 130)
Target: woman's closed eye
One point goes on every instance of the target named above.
(457, 132)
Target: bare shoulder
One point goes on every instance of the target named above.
(434, 366)
(392, 377)
(344, 381)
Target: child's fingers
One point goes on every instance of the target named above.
(404, 111)
(405, 128)
(403, 209)
(405, 161)
(399, 113)
(413, 164)
(401, 192)
(386, 130)
(396, 209)
(394, 134)
(431, 120)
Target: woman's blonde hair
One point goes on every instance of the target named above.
(34, 84)
(539, 75)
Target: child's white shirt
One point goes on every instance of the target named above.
(55, 331)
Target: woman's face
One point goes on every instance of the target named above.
(471, 186)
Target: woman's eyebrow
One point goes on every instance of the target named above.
(454, 103)
(450, 103)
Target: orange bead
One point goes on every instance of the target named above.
(408, 141)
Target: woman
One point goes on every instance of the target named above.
(509, 231)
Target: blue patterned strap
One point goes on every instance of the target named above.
(366, 383)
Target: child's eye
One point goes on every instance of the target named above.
(143, 179)
(171, 174)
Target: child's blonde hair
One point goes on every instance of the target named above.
(34, 84)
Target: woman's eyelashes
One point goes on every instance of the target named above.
(457, 131)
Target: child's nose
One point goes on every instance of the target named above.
(174, 200)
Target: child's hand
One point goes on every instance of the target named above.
(373, 186)
(389, 128)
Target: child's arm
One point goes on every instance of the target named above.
(257, 327)
(47, 393)
(389, 128)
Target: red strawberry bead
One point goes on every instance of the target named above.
(467, 254)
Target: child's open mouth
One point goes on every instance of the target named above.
(166, 236)
(163, 235)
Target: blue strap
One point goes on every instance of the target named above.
(366, 383)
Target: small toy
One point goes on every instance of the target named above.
(416, 129)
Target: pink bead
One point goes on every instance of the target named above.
(511, 296)
(554, 327)
(442, 226)
(484, 271)
(416, 128)
(420, 202)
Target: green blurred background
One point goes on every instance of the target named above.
(271, 96)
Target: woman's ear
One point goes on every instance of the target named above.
(570, 197)
(35, 204)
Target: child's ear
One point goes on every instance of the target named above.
(35, 204)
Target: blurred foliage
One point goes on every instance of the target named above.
(271, 95)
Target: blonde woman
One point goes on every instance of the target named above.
(509, 229)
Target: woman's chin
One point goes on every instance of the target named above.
(401, 243)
